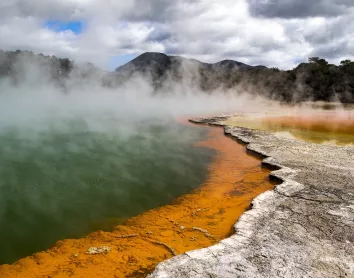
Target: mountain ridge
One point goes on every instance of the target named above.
(164, 59)
(316, 80)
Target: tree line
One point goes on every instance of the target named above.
(315, 80)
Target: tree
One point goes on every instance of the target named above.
(347, 66)
(65, 64)
(318, 61)
(346, 63)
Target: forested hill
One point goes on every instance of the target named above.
(316, 80)
(19, 65)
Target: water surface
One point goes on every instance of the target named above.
(195, 220)
(317, 126)
(72, 176)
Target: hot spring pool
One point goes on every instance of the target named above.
(320, 126)
(71, 177)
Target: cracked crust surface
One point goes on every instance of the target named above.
(302, 228)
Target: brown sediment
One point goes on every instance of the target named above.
(193, 221)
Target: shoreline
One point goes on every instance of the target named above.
(301, 228)
(207, 216)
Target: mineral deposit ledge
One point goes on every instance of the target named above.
(302, 228)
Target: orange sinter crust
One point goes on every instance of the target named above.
(193, 221)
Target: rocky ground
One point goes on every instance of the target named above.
(302, 228)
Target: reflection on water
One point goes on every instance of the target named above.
(324, 127)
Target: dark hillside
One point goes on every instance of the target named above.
(316, 80)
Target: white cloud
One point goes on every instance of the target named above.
(209, 30)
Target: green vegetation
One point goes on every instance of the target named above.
(316, 80)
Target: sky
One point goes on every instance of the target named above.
(274, 33)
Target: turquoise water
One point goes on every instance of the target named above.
(74, 175)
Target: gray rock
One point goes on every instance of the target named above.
(302, 228)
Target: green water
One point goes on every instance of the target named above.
(71, 178)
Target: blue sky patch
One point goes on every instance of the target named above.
(57, 26)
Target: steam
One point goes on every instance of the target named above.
(37, 102)
(36, 99)
(74, 151)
